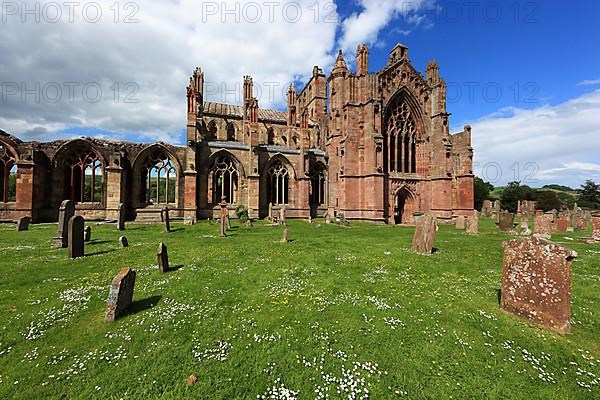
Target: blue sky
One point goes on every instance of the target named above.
(542, 56)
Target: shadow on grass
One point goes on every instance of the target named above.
(435, 250)
(499, 294)
(95, 242)
(175, 267)
(99, 253)
(139, 306)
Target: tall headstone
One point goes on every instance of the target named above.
(162, 258)
(121, 217)
(75, 242)
(542, 226)
(166, 219)
(473, 224)
(460, 222)
(536, 282)
(23, 224)
(281, 219)
(596, 227)
(562, 223)
(121, 294)
(285, 238)
(66, 211)
(123, 242)
(87, 234)
(506, 221)
(223, 219)
(270, 217)
(424, 234)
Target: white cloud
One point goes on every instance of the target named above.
(366, 25)
(589, 82)
(158, 54)
(551, 144)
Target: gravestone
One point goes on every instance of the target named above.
(121, 217)
(249, 224)
(87, 234)
(542, 227)
(460, 222)
(162, 258)
(596, 227)
(562, 224)
(223, 219)
(524, 226)
(270, 217)
(23, 224)
(281, 219)
(166, 219)
(536, 282)
(66, 211)
(75, 242)
(123, 242)
(120, 295)
(190, 221)
(424, 234)
(473, 224)
(506, 221)
(285, 238)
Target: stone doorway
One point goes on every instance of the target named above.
(404, 207)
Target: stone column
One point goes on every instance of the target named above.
(25, 190)
(223, 222)
(114, 185)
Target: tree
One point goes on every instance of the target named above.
(482, 191)
(548, 200)
(513, 193)
(589, 195)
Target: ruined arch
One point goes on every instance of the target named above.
(405, 204)
(225, 176)
(231, 132)
(8, 173)
(211, 131)
(270, 136)
(318, 186)
(279, 175)
(81, 166)
(157, 172)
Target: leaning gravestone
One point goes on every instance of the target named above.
(536, 282)
(121, 217)
(66, 211)
(473, 224)
(424, 234)
(162, 258)
(506, 221)
(166, 219)
(542, 227)
(286, 236)
(75, 242)
(121, 294)
(23, 224)
(87, 234)
(596, 227)
(123, 242)
(460, 222)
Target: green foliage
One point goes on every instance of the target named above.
(558, 187)
(567, 199)
(589, 195)
(548, 200)
(241, 213)
(352, 299)
(513, 193)
(12, 186)
(482, 191)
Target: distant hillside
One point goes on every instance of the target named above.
(559, 189)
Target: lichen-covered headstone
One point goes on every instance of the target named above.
(460, 222)
(562, 224)
(285, 238)
(424, 234)
(23, 224)
(121, 217)
(162, 258)
(524, 226)
(542, 226)
(87, 234)
(166, 219)
(75, 241)
(281, 219)
(536, 282)
(66, 211)
(596, 227)
(121, 294)
(473, 224)
(506, 221)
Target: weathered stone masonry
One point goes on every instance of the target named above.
(373, 146)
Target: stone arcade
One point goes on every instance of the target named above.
(373, 146)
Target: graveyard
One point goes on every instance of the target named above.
(333, 312)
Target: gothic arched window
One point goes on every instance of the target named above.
(317, 186)
(159, 179)
(278, 178)
(8, 176)
(225, 176)
(84, 177)
(230, 132)
(270, 137)
(401, 141)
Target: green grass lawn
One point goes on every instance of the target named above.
(339, 313)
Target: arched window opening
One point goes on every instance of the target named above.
(230, 132)
(295, 140)
(8, 176)
(283, 141)
(225, 177)
(160, 179)
(278, 179)
(211, 133)
(400, 145)
(84, 177)
(270, 137)
(317, 186)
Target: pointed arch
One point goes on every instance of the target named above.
(279, 174)
(225, 174)
(231, 132)
(158, 172)
(211, 131)
(8, 173)
(405, 205)
(318, 184)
